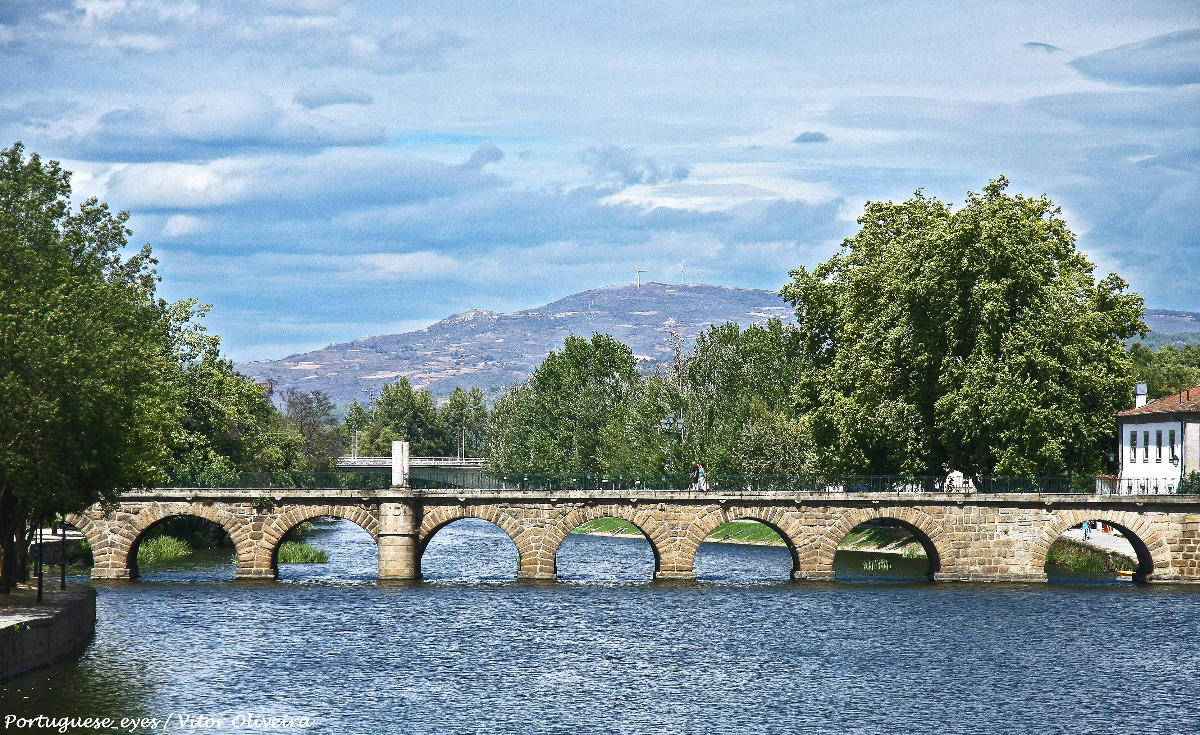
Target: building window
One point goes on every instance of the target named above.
(1145, 446)
(1171, 441)
(1133, 446)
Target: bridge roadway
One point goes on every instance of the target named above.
(972, 537)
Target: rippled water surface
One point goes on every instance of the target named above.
(607, 650)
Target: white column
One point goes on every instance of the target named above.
(399, 464)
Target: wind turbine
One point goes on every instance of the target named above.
(639, 275)
(701, 275)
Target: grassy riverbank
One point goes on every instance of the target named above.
(177, 538)
(1073, 557)
(882, 539)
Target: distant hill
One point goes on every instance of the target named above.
(1169, 327)
(491, 351)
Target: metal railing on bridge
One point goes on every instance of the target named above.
(432, 478)
(292, 480)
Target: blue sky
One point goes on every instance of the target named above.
(320, 170)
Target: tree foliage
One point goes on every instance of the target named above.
(310, 416)
(558, 419)
(85, 345)
(974, 339)
(1167, 370)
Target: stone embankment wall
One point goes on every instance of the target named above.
(34, 635)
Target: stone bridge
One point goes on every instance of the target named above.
(973, 537)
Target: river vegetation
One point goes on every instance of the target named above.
(160, 549)
(1076, 558)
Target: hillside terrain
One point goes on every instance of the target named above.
(491, 351)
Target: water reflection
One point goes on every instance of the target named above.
(493, 656)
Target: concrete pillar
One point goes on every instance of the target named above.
(400, 464)
(399, 526)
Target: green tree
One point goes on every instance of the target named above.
(356, 419)
(464, 417)
(1167, 370)
(87, 354)
(974, 339)
(738, 379)
(556, 421)
(225, 422)
(403, 414)
(311, 416)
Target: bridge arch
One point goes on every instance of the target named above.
(777, 519)
(928, 532)
(545, 558)
(1149, 545)
(126, 537)
(438, 517)
(96, 534)
(292, 516)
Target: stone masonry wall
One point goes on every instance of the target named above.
(49, 632)
(966, 537)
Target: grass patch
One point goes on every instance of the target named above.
(876, 565)
(746, 532)
(162, 548)
(914, 551)
(608, 525)
(876, 537)
(1082, 560)
(295, 552)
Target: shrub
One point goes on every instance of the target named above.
(162, 548)
(294, 552)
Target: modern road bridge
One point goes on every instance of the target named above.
(968, 535)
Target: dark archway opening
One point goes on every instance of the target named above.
(885, 550)
(326, 548)
(745, 550)
(606, 550)
(183, 547)
(1098, 551)
(469, 550)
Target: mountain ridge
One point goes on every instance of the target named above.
(493, 350)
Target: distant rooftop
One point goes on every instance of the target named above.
(1187, 401)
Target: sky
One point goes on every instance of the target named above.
(320, 171)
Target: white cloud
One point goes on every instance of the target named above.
(419, 265)
(714, 187)
(179, 225)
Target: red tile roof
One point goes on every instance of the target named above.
(1187, 401)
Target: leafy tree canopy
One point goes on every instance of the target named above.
(974, 339)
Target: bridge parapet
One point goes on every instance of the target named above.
(968, 535)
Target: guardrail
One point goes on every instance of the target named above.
(1082, 485)
(282, 480)
(470, 462)
(433, 478)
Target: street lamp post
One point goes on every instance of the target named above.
(672, 424)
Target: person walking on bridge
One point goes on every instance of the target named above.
(702, 479)
(694, 480)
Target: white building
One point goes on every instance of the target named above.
(1160, 441)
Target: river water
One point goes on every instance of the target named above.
(605, 649)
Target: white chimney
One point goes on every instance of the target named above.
(1141, 395)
